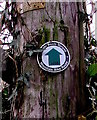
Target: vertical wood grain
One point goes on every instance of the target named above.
(61, 90)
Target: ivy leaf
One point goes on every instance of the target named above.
(20, 78)
(26, 82)
(5, 92)
(95, 83)
(96, 97)
(94, 90)
(93, 42)
(25, 78)
(30, 53)
(16, 43)
(13, 94)
(92, 70)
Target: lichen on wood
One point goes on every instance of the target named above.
(56, 87)
(55, 31)
(45, 35)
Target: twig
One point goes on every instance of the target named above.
(15, 65)
(49, 16)
(22, 32)
(1, 7)
(60, 10)
(26, 27)
(94, 111)
(93, 106)
(5, 112)
(29, 11)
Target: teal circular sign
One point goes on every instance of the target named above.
(54, 58)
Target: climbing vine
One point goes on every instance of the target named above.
(12, 95)
(90, 45)
(13, 58)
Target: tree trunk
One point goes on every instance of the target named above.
(62, 92)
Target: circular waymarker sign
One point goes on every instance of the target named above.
(54, 58)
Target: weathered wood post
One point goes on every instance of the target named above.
(59, 95)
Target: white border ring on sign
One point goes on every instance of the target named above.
(61, 68)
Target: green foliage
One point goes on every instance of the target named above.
(25, 78)
(30, 53)
(46, 32)
(45, 35)
(5, 92)
(55, 31)
(92, 70)
(83, 16)
(13, 94)
(90, 45)
(93, 42)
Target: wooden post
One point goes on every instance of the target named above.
(55, 95)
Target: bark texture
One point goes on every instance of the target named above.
(63, 92)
